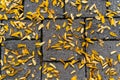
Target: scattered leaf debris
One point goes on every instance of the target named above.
(17, 27)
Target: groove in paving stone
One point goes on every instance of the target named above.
(85, 49)
(0, 52)
(106, 39)
(41, 49)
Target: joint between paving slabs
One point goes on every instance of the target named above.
(41, 49)
(0, 58)
(64, 9)
(0, 54)
(23, 2)
(106, 39)
(85, 49)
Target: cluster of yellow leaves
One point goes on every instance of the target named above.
(51, 71)
(15, 58)
(65, 41)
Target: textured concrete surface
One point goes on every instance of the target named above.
(12, 45)
(115, 6)
(48, 33)
(105, 51)
(27, 22)
(105, 34)
(29, 7)
(65, 73)
(73, 9)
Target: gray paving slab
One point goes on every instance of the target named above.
(106, 33)
(12, 45)
(48, 33)
(73, 9)
(64, 74)
(115, 6)
(28, 6)
(109, 46)
(26, 23)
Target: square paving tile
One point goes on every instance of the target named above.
(73, 9)
(64, 74)
(34, 69)
(16, 26)
(109, 46)
(49, 34)
(29, 7)
(95, 31)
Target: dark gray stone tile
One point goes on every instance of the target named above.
(105, 52)
(106, 33)
(114, 6)
(48, 33)
(26, 24)
(12, 46)
(64, 74)
(29, 7)
(73, 9)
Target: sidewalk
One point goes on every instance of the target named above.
(60, 40)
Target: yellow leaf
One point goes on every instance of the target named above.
(66, 65)
(36, 1)
(39, 53)
(108, 3)
(112, 21)
(113, 34)
(89, 40)
(21, 45)
(17, 34)
(54, 2)
(102, 19)
(58, 27)
(89, 25)
(40, 26)
(111, 78)
(118, 56)
(74, 78)
(48, 25)
(25, 51)
(79, 7)
(33, 61)
(39, 44)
